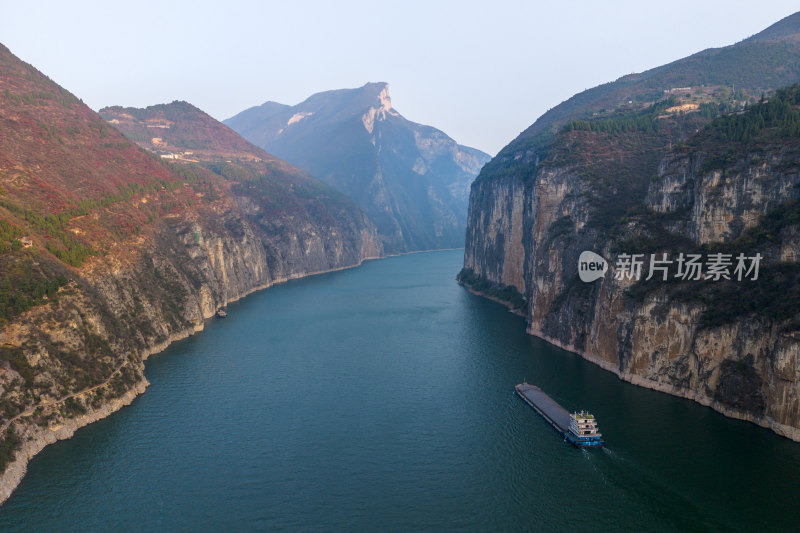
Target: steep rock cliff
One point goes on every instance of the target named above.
(730, 345)
(494, 249)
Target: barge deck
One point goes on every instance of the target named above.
(557, 416)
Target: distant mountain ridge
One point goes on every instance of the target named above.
(764, 61)
(270, 191)
(412, 180)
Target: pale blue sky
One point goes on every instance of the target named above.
(480, 71)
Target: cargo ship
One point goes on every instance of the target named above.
(579, 428)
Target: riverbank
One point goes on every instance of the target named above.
(765, 422)
(515, 310)
(287, 417)
(35, 438)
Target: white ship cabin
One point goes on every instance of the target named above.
(583, 424)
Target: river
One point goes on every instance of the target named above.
(381, 399)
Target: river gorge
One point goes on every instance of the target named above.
(381, 397)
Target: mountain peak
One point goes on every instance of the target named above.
(378, 89)
(384, 98)
(384, 105)
(412, 180)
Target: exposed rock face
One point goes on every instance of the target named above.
(747, 368)
(494, 246)
(720, 205)
(412, 180)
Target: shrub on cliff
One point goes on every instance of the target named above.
(9, 446)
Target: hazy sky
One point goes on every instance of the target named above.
(480, 71)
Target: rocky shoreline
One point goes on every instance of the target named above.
(517, 311)
(38, 438)
(784, 430)
(35, 438)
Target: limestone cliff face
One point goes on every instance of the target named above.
(295, 247)
(527, 233)
(718, 205)
(494, 247)
(86, 351)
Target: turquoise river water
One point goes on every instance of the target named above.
(381, 399)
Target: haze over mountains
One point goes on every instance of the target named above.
(282, 199)
(412, 180)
